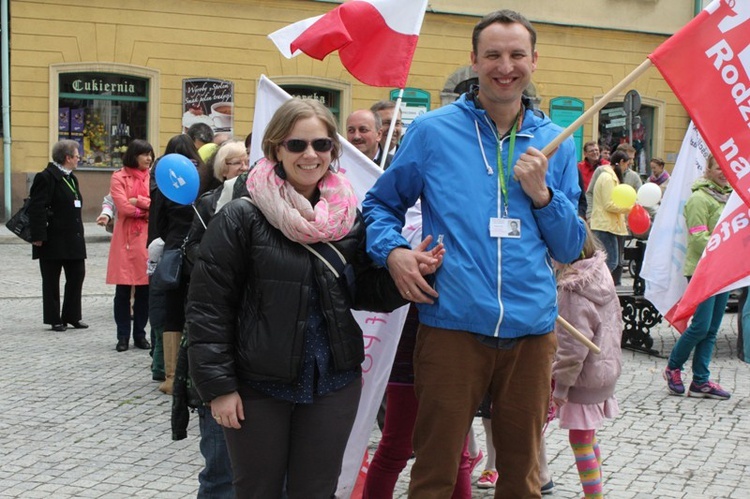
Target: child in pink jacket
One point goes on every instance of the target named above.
(585, 381)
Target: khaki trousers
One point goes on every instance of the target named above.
(453, 371)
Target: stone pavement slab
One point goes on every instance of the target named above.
(82, 420)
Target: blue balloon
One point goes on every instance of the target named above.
(177, 178)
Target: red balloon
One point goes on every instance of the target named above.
(638, 219)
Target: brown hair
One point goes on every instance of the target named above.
(135, 149)
(504, 16)
(288, 115)
(658, 161)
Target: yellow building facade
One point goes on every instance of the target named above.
(135, 61)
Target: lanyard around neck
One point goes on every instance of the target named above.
(504, 173)
(71, 186)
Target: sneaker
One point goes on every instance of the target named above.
(674, 381)
(487, 480)
(473, 461)
(548, 488)
(709, 390)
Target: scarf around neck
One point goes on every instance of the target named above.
(720, 194)
(330, 219)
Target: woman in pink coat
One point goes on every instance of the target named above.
(128, 253)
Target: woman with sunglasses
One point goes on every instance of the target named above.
(273, 344)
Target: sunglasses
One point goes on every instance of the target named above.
(299, 145)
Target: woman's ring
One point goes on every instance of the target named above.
(408, 293)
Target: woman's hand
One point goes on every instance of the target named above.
(434, 257)
(102, 220)
(227, 410)
(133, 201)
(559, 402)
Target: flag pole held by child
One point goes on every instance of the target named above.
(578, 335)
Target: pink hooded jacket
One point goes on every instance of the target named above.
(588, 300)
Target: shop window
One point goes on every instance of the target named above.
(330, 98)
(615, 129)
(336, 95)
(103, 112)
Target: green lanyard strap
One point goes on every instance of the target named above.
(504, 173)
(71, 186)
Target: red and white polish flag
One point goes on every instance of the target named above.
(375, 39)
(707, 64)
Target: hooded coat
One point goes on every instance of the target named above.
(450, 159)
(587, 299)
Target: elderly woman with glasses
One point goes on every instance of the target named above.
(57, 235)
(273, 344)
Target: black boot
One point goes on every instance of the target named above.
(122, 345)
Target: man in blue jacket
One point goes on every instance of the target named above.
(488, 316)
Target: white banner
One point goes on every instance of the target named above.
(381, 331)
(667, 242)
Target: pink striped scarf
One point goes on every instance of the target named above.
(330, 219)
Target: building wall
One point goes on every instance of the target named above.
(226, 39)
(642, 16)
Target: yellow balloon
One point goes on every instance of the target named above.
(623, 196)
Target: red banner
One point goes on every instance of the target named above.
(707, 64)
(723, 265)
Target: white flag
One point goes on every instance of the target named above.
(667, 242)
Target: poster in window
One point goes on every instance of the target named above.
(209, 101)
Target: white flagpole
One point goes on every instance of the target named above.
(391, 128)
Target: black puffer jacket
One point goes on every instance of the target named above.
(247, 305)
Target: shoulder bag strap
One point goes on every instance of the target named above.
(327, 252)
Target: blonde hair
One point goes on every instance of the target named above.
(710, 159)
(288, 115)
(228, 150)
(590, 246)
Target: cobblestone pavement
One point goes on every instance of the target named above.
(82, 420)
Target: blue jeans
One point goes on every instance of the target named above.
(700, 336)
(611, 245)
(216, 478)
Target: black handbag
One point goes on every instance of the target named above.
(20, 223)
(168, 271)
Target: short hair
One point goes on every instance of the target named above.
(504, 16)
(658, 161)
(62, 149)
(288, 115)
(229, 149)
(625, 147)
(589, 144)
(382, 105)
(202, 132)
(135, 149)
(375, 117)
